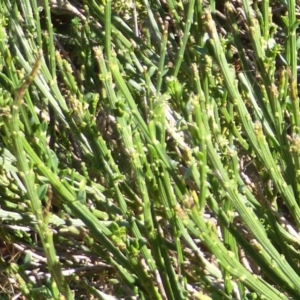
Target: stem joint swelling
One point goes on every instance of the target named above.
(28, 179)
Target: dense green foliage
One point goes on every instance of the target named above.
(149, 150)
